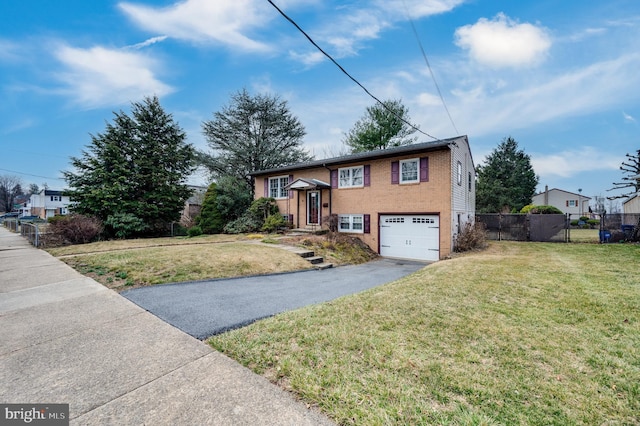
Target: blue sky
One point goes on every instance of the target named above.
(562, 78)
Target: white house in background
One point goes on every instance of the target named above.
(632, 204)
(565, 201)
(48, 203)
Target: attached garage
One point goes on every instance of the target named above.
(410, 236)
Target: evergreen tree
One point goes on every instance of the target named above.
(631, 181)
(252, 133)
(383, 126)
(506, 182)
(136, 170)
(210, 220)
(233, 198)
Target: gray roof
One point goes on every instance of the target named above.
(369, 155)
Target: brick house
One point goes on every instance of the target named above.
(405, 202)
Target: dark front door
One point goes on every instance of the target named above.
(313, 208)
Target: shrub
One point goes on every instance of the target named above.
(472, 237)
(254, 218)
(332, 222)
(194, 231)
(273, 222)
(125, 225)
(531, 209)
(242, 225)
(73, 229)
(593, 223)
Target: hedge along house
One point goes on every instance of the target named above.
(405, 202)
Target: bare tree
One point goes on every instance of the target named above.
(10, 188)
(631, 170)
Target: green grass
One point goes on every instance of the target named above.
(584, 235)
(522, 333)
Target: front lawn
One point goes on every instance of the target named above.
(522, 333)
(126, 264)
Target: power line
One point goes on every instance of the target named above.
(27, 174)
(424, 55)
(346, 73)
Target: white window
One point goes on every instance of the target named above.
(459, 173)
(276, 187)
(573, 203)
(409, 170)
(351, 223)
(350, 177)
(56, 198)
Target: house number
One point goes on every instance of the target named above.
(408, 242)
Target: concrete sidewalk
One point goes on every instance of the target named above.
(67, 339)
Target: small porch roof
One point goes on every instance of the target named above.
(302, 184)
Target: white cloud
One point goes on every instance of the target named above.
(148, 42)
(417, 8)
(569, 163)
(502, 42)
(308, 58)
(9, 51)
(205, 21)
(99, 76)
(628, 118)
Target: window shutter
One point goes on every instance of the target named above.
(291, 190)
(367, 223)
(367, 175)
(576, 203)
(395, 172)
(266, 187)
(290, 219)
(424, 169)
(567, 203)
(334, 178)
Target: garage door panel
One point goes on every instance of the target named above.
(410, 236)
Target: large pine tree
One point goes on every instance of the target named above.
(252, 133)
(137, 168)
(382, 126)
(506, 182)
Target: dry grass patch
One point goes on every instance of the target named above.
(120, 269)
(522, 333)
(114, 245)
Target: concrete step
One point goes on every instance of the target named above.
(321, 266)
(314, 260)
(305, 253)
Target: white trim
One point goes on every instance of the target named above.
(280, 187)
(409, 160)
(347, 181)
(351, 221)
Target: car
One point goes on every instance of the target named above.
(10, 215)
(29, 219)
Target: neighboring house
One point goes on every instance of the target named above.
(193, 205)
(406, 202)
(565, 201)
(632, 204)
(48, 203)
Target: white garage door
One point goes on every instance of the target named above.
(410, 236)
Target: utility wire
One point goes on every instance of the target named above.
(27, 174)
(424, 55)
(346, 73)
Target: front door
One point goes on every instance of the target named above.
(313, 208)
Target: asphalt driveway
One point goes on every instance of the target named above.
(205, 308)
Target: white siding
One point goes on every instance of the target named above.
(463, 202)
